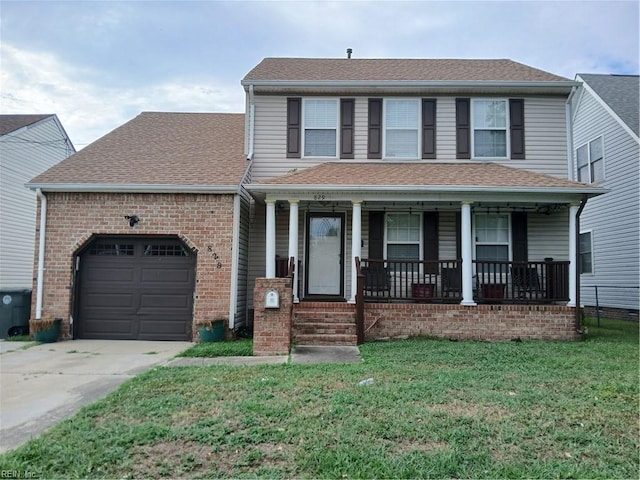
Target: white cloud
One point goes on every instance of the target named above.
(34, 82)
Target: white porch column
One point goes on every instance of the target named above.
(573, 250)
(356, 243)
(293, 244)
(270, 260)
(467, 255)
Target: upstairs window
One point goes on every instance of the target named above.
(401, 124)
(490, 125)
(590, 159)
(320, 127)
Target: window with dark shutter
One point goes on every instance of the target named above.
(431, 244)
(347, 111)
(294, 107)
(428, 128)
(516, 121)
(519, 236)
(374, 144)
(376, 235)
(463, 128)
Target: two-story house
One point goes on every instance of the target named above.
(443, 183)
(403, 197)
(607, 153)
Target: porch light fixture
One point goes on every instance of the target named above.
(133, 219)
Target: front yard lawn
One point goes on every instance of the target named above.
(435, 409)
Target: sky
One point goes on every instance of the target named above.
(97, 64)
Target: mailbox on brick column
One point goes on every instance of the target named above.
(271, 299)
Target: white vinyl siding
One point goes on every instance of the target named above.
(24, 156)
(614, 217)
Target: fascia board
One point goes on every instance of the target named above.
(131, 188)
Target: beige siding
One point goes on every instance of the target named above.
(545, 136)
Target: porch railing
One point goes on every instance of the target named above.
(494, 281)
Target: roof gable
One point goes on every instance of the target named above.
(11, 123)
(178, 149)
(621, 93)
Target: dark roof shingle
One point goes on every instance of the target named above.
(11, 123)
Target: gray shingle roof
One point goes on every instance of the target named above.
(341, 69)
(11, 123)
(621, 93)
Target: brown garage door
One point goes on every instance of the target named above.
(138, 288)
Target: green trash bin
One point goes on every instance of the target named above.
(15, 310)
(213, 332)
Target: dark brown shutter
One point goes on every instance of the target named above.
(376, 235)
(375, 129)
(516, 119)
(463, 128)
(458, 235)
(431, 244)
(519, 236)
(428, 128)
(347, 107)
(294, 109)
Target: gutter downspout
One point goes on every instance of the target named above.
(252, 109)
(41, 245)
(569, 127)
(583, 203)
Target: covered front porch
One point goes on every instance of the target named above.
(413, 249)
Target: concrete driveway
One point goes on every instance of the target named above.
(46, 383)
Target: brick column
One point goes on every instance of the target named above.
(272, 326)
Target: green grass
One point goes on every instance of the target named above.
(18, 338)
(233, 348)
(436, 409)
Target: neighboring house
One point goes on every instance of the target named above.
(606, 150)
(146, 230)
(446, 179)
(397, 197)
(29, 145)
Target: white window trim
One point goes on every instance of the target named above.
(506, 129)
(420, 246)
(384, 130)
(604, 159)
(475, 237)
(304, 127)
(593, 260)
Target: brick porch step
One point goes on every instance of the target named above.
(325, 328)
(324, 323)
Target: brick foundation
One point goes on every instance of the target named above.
(272, 327)
(482, 322)
(612, 313)
(203, 222)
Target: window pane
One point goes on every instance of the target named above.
(401, 114)
(320, 113)
(403, 227)
(490, 114)
(320, 143)
(585, 243)
(490, 143)
(582, 156)
(597, 171)
(403, 252)
(492, 252)
(595, 149)
(583, 174)
(492, 228)
(401, 144)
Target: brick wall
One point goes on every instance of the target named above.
(482, 322)
(272, 327)
(612, 313)
(203, 222)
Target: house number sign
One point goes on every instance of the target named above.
(215, 256)
(320, 197)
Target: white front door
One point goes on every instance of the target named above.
(324, 254)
